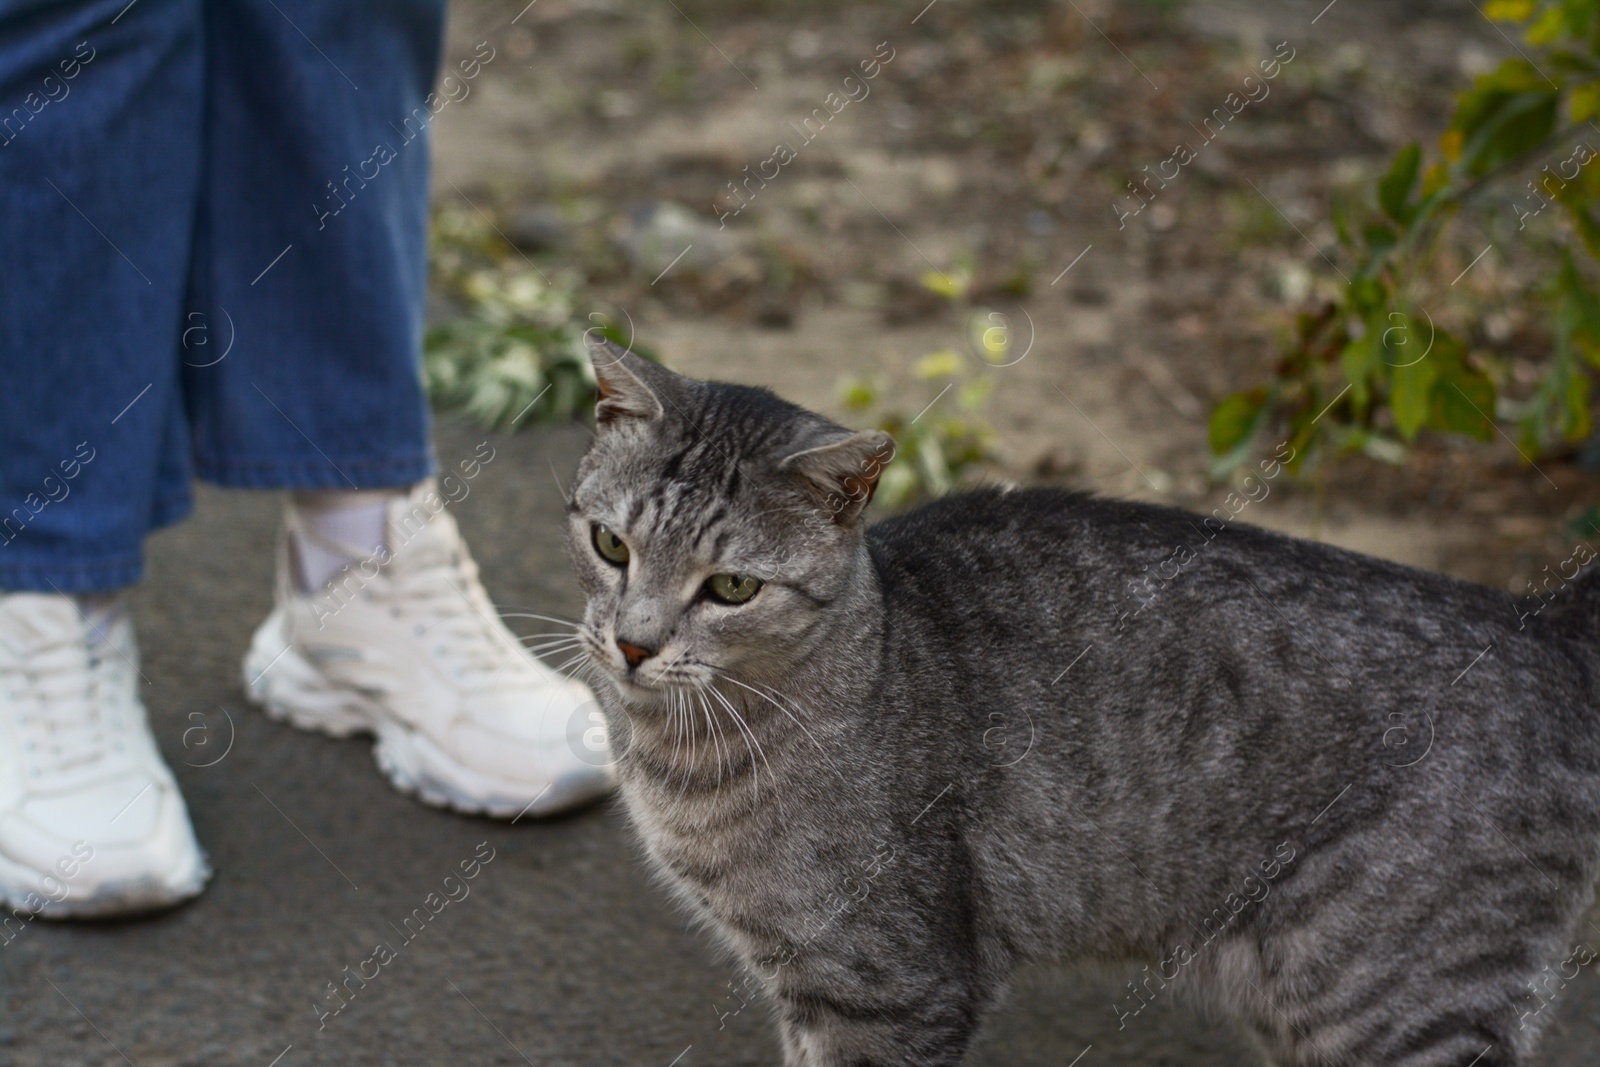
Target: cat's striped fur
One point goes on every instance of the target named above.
(931, 750)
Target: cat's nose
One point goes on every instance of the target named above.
(634, 654)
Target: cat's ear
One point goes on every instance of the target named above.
(631, 387)
(844, 472)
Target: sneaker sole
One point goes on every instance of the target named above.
(289, 688)
(114, 901)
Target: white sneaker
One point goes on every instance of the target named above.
(406, 645)
(91, 820)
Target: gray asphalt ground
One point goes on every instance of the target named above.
(564, 953)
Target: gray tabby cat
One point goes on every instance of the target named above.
(889, 765)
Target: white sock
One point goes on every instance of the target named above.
(334, 530)
(99, 610)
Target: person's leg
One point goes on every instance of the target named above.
(99, 160)
(99, 164)
(314, 228)
(307, 106)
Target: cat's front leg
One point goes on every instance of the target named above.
(794, 1054)
(834, 1030)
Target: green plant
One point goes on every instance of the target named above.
(514, 355)
(1376, 366)
(933, 449)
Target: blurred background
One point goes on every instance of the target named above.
(1144, 248)
(1001, 223)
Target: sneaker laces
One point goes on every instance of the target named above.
(438, 585)
(67, 715)
(433, 582)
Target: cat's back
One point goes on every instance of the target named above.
(1026, 570)
(1042, 542)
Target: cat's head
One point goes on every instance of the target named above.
(712, 526)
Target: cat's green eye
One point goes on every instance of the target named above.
(733, 588)
(610, 546)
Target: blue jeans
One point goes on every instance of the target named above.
(213, 233)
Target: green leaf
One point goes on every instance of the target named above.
(1410, 395)
(1511, 76)
(1576, 423)
(1548, 28)
(1303, 427)
(1508, 10)
(931, 462)
(859, 394)
(1395, 188)
(1583, 102)
(1435, 179)
(1588, 229)
(972, 395)
(1368, 296)
(1235, 421)
(1587, 522)
(1505, 115)
(897, 485)
(1340, 212)
(1380, 238)
(1463, 402)
(1398, 341)
(1357, 360)
(1577, 316)
(945, 363)
(951, 284)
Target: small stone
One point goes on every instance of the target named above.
(538, 228)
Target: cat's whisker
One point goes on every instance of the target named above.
(573, 624)
(700, 696)
(706, 710)
(675, 722)
(533, 641)
(792, 718)
(586, 643)
(749, 736)
(716, 720)
(575, 662)
(692, 763)
(716, 740)
(589, 672)
(576, 657)
(547, 633)
(544, 653)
